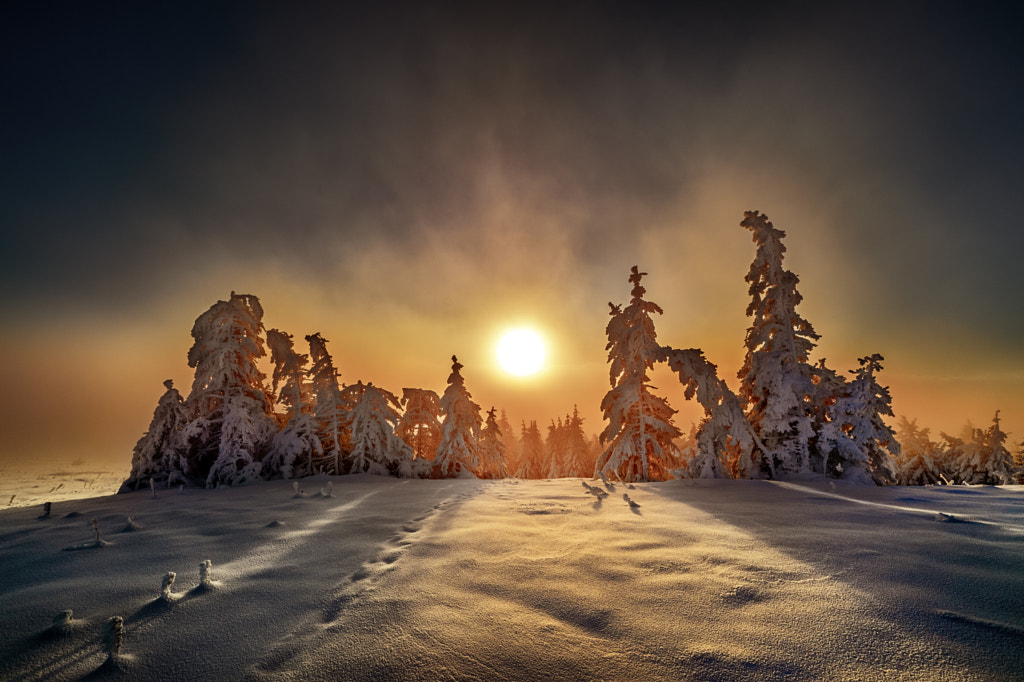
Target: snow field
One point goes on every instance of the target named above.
(510, 580)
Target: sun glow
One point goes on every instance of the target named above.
(521, 352)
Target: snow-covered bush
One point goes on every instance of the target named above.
(165, 585)
(113, 636)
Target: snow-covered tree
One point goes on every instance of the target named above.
(375, 447)
(920, 457)
(776, 384)
(330, 406)
(157, 454)
(233, 412)
(856, 441)
(980, 455)
(638, 437)
(457, 454)
(531, 452)
(724, 443)
(491, 449)
(296, 445)
(420, 424)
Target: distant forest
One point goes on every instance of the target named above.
(790, 418)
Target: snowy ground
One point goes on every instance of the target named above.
(26, 486)
(427, 580)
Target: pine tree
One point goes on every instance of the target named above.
(919, 460)
(638, 437)
(233, 420)
(420, 424)
(980, 457)
(531, 452)
(157, 454)
(856, 440)
(575, 459)
(492, 449)
(330, 407)
(457, 453)
(511, 443)
(296, 445)
(776, 384)
(375, 447)
(554, 448)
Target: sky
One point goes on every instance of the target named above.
(411, 179)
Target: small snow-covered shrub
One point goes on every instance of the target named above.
(165, 587)
(205, 573)
(113, 636)
(62, 622)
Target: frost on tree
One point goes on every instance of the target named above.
(371, 422)
(531, 452)
(980, 456)
(920, 458)
(157, 454)
(331, 408)
(856, 442)
(724, 445)
(776, 383)
(233, 412)
(491, 449)
(296, 445)
(638, 437)
(457, 453)
(420, 424)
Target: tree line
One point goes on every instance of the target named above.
(790, 417)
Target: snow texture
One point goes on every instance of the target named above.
(513, 580)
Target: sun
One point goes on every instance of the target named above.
(521, 352)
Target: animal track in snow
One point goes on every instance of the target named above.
(365, 578)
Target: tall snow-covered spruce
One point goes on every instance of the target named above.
(638, 437)
(457, 454)
(491, 449)
(330, 405)
(233, 417)
(776, 383)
